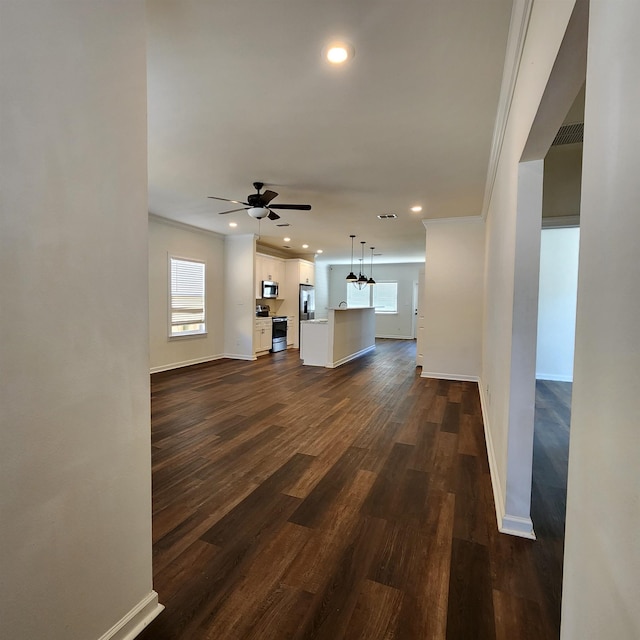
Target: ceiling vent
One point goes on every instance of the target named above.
(387, 216)
(569, 134)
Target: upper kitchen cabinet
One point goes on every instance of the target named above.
(307, 272)
(300, 272)
(270, 269)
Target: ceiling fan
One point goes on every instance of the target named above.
(258, 204)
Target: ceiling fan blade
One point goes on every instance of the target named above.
(267, 197)
(221, 213)
(273, 215)
(246, 204)
(300, 207)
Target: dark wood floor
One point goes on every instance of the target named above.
(300, 502)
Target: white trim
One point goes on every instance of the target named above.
(498, 500)
(128, 627)
(511, 525)
(517, 526)
(396, 337)
(459, 219)
(458, 377)
(353, 356)
(184, 226)
(518, 27)
(561, 222)
(240, 356)
(186, 363)
(553, 377)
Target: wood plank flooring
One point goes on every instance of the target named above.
(295, 502)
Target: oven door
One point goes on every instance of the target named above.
(279, 334)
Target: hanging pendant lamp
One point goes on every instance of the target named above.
(352, 276)
(362, 279)
(371, 281)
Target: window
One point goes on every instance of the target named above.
(186, 298)
(385, 297)
(358, 297)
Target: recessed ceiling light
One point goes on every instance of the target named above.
(233, 224)
(339, 52)
(319, 251)
(305, 246)
(416, 209)
(286, 239)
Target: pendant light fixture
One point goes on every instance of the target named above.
(371, 281)
(362, 281)
(352, 276)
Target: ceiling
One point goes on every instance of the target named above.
(239, 92)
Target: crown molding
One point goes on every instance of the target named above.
(520, 16)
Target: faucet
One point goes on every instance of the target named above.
(342, 303)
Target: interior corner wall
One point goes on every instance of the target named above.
(239, 295)
(546, 27)
(601, 587)
(454, 267)
(172, 239)
(557, 303)
(75, 468)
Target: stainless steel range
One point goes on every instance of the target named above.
(279, 334)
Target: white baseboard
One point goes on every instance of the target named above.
(128, 627)
(517, 526)
(239, 356)
(186, 363)
(353, 356)
(511, 525)
(554, 377)
(396, 337)
(458, 377)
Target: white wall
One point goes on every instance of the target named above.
(75, 471)
(239, 296)
(174, 239)
(387, 325)
(557, 303)
(545, 30)
(602, 555)
(454, 266)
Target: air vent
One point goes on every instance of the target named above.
(569, 134)
(387, 216)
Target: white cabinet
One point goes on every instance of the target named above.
(268, 268)
(307, 272)
(262, 335)
(291, 325)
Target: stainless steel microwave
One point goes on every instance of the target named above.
(269, 289)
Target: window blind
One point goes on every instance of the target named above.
(385, 297)
(187, 297)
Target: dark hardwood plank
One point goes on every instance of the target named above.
(298, 502)
(470, 606)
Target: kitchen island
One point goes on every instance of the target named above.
(344, 335)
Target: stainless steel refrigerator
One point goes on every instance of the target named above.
(307, 302)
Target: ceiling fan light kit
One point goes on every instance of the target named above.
(259, 205)
(258, 212)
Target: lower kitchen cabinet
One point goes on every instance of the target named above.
(262, 335)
